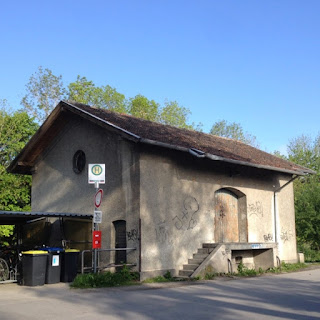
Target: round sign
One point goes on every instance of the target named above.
(96, 170)
(98, 198)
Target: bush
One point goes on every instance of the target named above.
(245, 272)
(105, 279)
(310, 255)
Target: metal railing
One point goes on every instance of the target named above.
(100, 267)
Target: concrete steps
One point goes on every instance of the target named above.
(197, 259)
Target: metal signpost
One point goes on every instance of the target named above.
(96, 175)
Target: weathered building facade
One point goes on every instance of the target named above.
(187, 201)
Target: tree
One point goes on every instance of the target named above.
(305, 151)
(15, 190)
(143, 108)
(15, 131)
(106, 97)
(175, 115)
(233, 131)
(44, 91)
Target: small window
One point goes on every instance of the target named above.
(79, 161)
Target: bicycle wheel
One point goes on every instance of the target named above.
(4, 270)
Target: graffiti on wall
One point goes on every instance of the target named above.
(226, 253)
(255, 208)
(268, 237)
(162, 233)
(132, 235)
(187, 219)
(286, 235)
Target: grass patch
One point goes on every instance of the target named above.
(310, 255)
(126, 277)
(287, 267)
(243, 271)
(284, 267)
(105, 279)
(167, 277)
(157, 279)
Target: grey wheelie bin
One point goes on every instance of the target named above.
(53, 268)
(69, 265)
(34, 267)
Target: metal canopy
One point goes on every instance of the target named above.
(21, 217)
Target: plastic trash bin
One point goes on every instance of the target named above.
(53, 268)
(69, 265)
(34, 267)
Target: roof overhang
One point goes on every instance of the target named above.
(22, 217)
(200, 154)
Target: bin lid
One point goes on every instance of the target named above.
(52, 249)
(71, 250)
(34, 252)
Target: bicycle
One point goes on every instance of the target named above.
(9, 264)
(4, 270)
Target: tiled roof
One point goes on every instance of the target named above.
(228, 149)
(147, 132)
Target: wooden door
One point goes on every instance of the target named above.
(120, 241)
(226, 216)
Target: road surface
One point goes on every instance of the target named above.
(286, 296)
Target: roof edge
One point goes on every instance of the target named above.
(219, 158)
(71, 106)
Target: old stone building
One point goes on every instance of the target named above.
(188, 202)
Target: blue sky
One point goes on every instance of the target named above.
(252, 62)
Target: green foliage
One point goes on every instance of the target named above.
(106, 97)
(290, 267)
(143, 108)
(105, 279)
(15, 130)
(209, 276)
(44, 91)
(280, 155)
(245, 272)
(310, 255)
(167, 277)
(6, 231)
(287, 267)
(233, 131)
(15, 190)
(306, 152)
(174, 115)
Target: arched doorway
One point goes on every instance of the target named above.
(230, 216)
(120, 241)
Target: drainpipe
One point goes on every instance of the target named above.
(275, 205)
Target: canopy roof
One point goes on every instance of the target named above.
(17, 217)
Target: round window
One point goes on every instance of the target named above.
(79, 161)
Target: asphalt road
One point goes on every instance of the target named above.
(285, 296)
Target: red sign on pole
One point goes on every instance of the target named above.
(98, 198)
(96, 240)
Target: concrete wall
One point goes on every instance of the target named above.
(172, 192)
(286, 228)
(177, 206)
(57, 188)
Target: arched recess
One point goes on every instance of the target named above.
(230, 216)
(120, 240)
